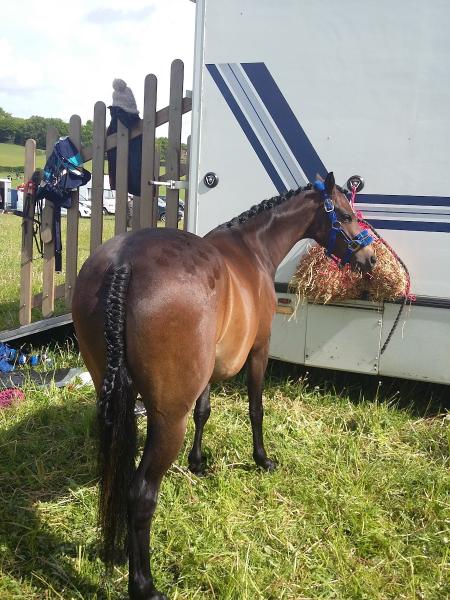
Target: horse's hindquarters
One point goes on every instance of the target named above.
(171, 344)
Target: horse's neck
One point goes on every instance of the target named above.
(272, 235)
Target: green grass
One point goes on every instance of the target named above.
(12, 155)
(358, 508)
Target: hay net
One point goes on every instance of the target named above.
(320, 280)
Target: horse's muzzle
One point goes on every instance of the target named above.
(365, 260)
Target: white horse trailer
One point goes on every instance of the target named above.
(285, 90)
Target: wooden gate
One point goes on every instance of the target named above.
(145, 211)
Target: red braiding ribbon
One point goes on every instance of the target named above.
(358, 213)
(353, 196)
(30, 187)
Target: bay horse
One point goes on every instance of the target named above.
(164, 313)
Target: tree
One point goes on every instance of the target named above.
(161, 144)
(87, 132)
(7, 129)
(61, 126)
(36, 128)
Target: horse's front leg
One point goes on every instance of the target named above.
(256, 367)
(164, 440)
(201, 415)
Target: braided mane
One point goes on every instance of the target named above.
(263, 206)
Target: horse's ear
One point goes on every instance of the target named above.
(329, 182)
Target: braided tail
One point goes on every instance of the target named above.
(116, 423)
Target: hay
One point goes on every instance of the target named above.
(389, 280)
(320, 280)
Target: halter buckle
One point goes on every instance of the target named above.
(354, 245)
(328, 205)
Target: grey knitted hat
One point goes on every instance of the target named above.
(123, 97)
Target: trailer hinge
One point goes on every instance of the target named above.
(173, 184)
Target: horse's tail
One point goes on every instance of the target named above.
(116, 422)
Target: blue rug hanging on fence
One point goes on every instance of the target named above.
(130, 120)
(63, 173)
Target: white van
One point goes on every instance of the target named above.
(5, 194)
(109, 196)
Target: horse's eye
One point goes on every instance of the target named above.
(346, 218)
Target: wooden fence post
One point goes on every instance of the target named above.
(98, 175)
(72, 222)
(26, 259)
(121, 178)
(174, 140)
(148, 173)
(48, 272)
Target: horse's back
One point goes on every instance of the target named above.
(161, 260)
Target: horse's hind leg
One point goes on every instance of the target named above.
(201, 415)
(164, 440)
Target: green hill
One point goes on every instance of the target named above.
(12, 158)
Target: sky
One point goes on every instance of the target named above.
(59, 58)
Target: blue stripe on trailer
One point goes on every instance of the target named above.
(435, 227)
(281, 158)
(410, 213)
(285, 120)
(404, 200)
(405, 211)
(246, 128)
(304, 152)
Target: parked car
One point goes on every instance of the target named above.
(109, 202)
(162, 209)
(109, 195)
(84, 209)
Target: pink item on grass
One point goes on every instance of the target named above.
(9, 395)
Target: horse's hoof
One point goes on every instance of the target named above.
(155, 595)
(268, 465)
(198, 469)
(144, 593)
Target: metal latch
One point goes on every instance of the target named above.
(173, 184)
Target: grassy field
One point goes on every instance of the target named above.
(12, 155)
(358, 508)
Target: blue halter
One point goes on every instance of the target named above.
(362, 239)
